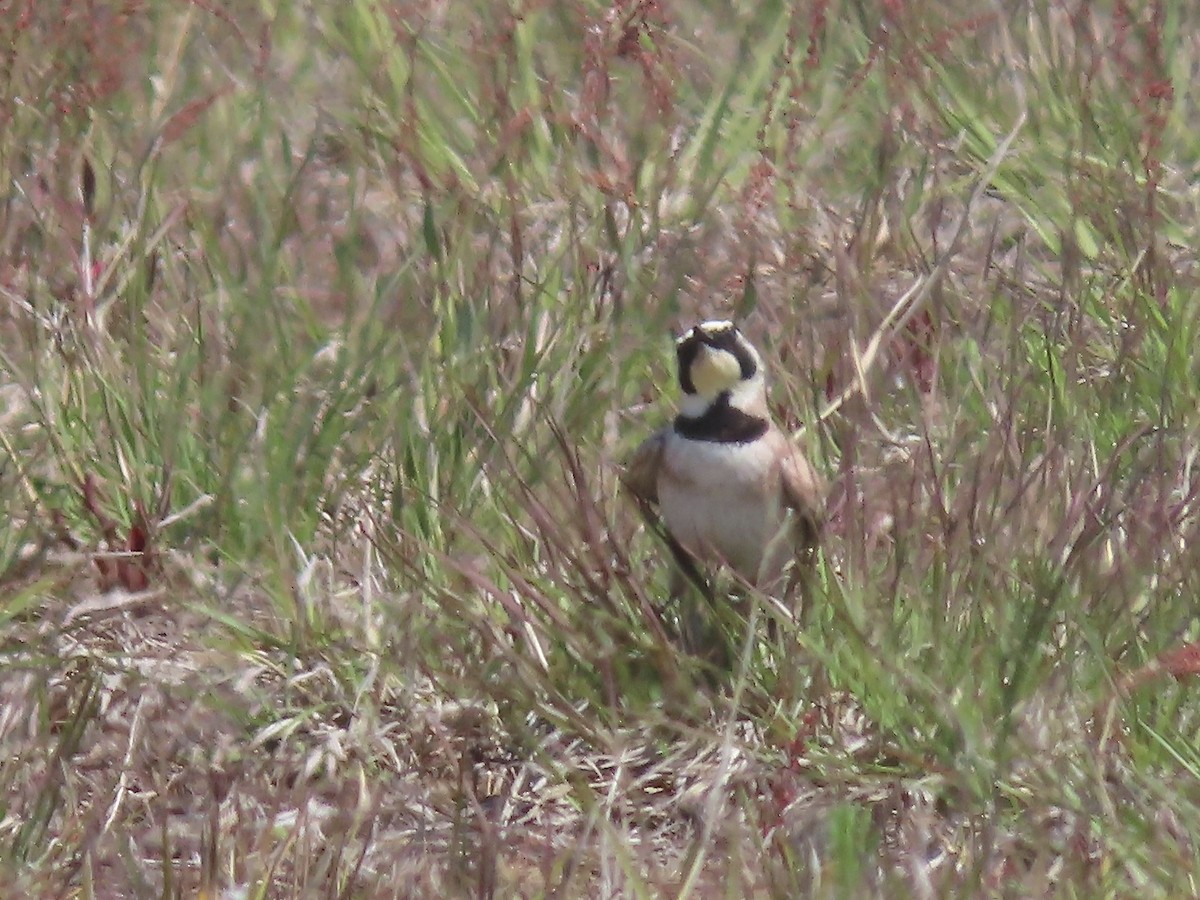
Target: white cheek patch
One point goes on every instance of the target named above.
(745, 393)
(693, 406)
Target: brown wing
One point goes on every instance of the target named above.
(640, 476)
(803, 492)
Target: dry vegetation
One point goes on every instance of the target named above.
(323, 327)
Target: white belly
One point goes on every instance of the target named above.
(719, 502)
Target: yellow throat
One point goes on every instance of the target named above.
(714, 371)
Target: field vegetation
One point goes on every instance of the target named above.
(324, 329)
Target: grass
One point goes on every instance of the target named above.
(326, 327)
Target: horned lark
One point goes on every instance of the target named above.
(730, 487)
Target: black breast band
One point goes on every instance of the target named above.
(721, 424)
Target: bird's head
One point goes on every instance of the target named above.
(714, 359)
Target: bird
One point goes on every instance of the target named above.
(731, 488)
